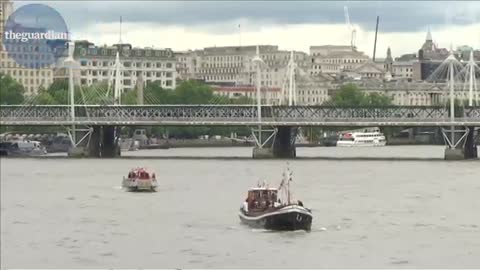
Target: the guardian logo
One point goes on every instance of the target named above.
(35, 36)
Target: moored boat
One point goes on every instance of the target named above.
(352, 139)
(264, 209)
(20, 148)
(139, 179)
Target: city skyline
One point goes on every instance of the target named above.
(175, 24)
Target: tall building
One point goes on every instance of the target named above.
(96, 64)
(31, 79)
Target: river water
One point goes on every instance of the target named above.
(72, 213)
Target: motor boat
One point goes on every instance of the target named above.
(263, 208)
(140, 179)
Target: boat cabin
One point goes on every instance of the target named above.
(140, 174)
(262, 198)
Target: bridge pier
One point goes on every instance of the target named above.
(462, 146)
(471, 151)
(103, 143)
(110, 147)
(282, 145)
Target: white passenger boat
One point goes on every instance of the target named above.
(374, 138)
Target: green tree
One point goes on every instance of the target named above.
(193, 92)
(376, 99)
(350, 95)
(11, 92)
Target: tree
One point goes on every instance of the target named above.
(376, 99)
(193, 92)
(11, 92)
(351, 96)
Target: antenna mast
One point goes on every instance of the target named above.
(375, 43)
(120, 40)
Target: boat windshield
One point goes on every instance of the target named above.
(260, 199)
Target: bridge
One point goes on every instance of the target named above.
(235, 115)
(281, 122)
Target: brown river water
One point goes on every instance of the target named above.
(416, 212)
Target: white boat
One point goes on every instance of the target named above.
(22, 148)
(350, 139)
(139, 179)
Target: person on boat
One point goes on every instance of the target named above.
(245, 205)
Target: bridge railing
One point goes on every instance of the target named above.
(228, 113)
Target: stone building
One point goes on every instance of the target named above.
(335, 59)
(233, 65)
(154, 65)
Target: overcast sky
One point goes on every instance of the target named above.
(183, 25)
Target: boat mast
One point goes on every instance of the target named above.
(289, 178)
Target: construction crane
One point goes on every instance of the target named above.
(351, 28)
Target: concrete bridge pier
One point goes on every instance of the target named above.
(95, 142)
(471, 151)
(463, 146)
(103, 142)
(110, 147)
(281, 144)
(284, 146)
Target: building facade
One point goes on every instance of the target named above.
(335, 59)
(153, 65)
(404, 93)
(233, 65)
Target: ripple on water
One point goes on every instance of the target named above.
(107, 254)
(20, 222)
(398, 262)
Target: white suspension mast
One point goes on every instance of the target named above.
(350, 27)
(117, 89)
(257, 60)
(452, 94)
(472, 80)
(69, 62)
(292, 93)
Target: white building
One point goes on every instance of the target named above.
(31, 79)
(313, 90)
(269, 95)
(233, 65)
(335, 59)
(404, 93)
(403, 69)
(96, 64)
